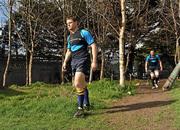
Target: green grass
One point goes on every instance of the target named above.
(175, 93)
(51, 107)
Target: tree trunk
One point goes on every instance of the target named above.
(87, 24)
(63, 55)
(27, 66)
(65, 43)
(102, 65)
(172, 77)
(31, 52)
(9, 44)
(27, 54)
(127, 62)
(179, 9)
(177, 53)
(91, 71)
(30, 68)
(121, 44)
(16, 47)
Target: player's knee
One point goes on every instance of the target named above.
(79, 88)
(156, 73)
(78, 85)
(152, 76)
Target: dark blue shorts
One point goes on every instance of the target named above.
(81, 65)
(153, 68)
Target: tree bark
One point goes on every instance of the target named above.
(87, 17)
(30, 68)
(121, 44)
(9, 44)
(27, 66)
(102, 65)
(65, 43)
(177, 53)
(91, 71)
(172, 77)
(31, 51)
(63, 55)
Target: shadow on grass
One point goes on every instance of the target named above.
(10, 92)
(133, 107)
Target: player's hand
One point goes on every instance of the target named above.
(94, 66)
(146, 70)
(161, 69)
(64, 69)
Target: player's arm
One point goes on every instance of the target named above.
(90, 40)
(94, 56)
(67, 57)
(160, 64)
(146, 65)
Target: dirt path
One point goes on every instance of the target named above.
(147, 110)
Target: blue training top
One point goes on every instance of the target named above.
(153, 61)
(85, 35)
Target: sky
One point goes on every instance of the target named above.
(3, 18)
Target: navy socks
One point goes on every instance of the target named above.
(80, 100)
(86, 97)
(83, 99)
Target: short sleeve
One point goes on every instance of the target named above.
(147, 58)
(87, 36)
(157, 56)
(68, 43)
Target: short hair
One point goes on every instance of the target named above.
(74, 18)
(152, 50)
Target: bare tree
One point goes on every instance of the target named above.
(177, 52)
(121, 43)
(10, 4)
(64, 9)
(65, 40)
(104, 23)
(35, 27)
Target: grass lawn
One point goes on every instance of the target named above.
(51, 107)
(175, 93)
